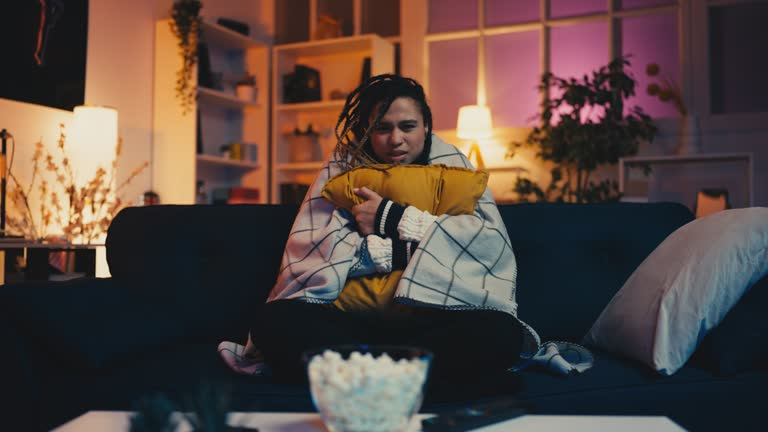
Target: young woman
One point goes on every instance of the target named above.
(455, 293)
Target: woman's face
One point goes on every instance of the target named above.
(399, 137)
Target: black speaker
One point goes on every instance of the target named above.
(303, 85)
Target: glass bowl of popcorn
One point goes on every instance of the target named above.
(367, 388)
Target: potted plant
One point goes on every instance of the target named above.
(583, 126)
(245, 87)
(185, 25)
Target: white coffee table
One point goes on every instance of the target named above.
(98, 421)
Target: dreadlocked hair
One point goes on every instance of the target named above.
(353, 132)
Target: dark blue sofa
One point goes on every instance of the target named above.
(187, 277)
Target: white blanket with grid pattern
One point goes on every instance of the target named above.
(462, 262)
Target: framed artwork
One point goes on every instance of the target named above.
(44, 46)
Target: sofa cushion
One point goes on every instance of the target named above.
(438, 189)
(693, 398)
(685, 288)
(212, 266)
(740, 342)
(573, 258)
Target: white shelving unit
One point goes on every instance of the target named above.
(185, 151)
(709, 159)
(340, 63)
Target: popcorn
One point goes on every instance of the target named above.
(364, 393)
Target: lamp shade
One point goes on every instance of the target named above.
(474, 122)
(93, 139)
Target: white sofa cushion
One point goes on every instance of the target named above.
(684, 288)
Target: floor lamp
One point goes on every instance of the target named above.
(474, 124)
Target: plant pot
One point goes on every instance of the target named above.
(246, 93)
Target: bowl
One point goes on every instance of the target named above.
(367, 388)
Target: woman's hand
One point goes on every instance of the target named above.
(365, 213)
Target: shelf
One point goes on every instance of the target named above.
(321, 105)
(634, 199)
(301, 166)
(216, 97)
(334, 46)
(698, 157)
(231, 163)
(215, 34)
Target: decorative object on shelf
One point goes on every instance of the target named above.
(245, 88)
(302, 85)
(149, 197)
(185, 25)
(251, 152)
(338, 94)
(583, 127)
(235, 151)
(224, 151)
(205, 76)
(304, 146)
(328, 27)
(474, 123)
(668, 91)
(293, 193)
(201, 197)
(236, 195)
(80, 205)
(711, 200)
(665, 89)
(366, 72)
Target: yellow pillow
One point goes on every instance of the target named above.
(438, 189)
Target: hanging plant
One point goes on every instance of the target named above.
(185, 25)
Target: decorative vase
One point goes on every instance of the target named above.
(689, 138)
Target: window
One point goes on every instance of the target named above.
(736, 57)
(515, 41)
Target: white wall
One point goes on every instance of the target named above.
(119, 73)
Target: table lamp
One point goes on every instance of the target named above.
(94, 137)
(474, 123)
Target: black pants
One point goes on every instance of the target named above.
(464, 343)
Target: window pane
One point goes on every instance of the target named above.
(737, 63)
(652, 39)
(452, 83)
(381, 17)
(338, 10)
(578, 49)
(634, 4)
(512, 75)
(564, 8)
(501, 12)
(449, 15)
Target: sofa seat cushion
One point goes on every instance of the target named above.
(88, 323)
(624, 387)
